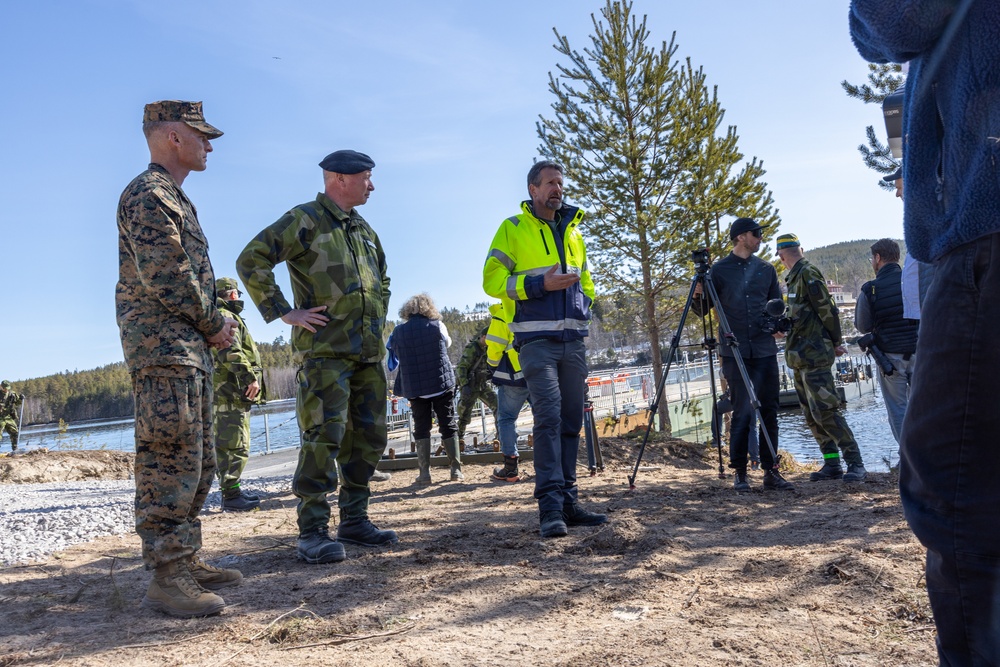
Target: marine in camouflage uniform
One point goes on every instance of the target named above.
(9, 414)
(473, 375)
(813, 343)
(238, 384)
(341, 291)
(165, 307)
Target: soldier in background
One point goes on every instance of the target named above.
(813, 344)
(9, 415)
(166, 311)
(473, 375)
(239, 384)
(341, 290)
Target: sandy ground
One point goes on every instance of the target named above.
(687, 572)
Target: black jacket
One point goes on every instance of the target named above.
(744, 286)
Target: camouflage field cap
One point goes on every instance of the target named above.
(225, 285)
(788, 241)
(189, 113)
(5, 384)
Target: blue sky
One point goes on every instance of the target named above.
(443, 95)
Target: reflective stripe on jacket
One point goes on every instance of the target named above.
(523, 250)
(500, 352)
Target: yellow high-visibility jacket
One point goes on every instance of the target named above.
(500, 352)
(523, 249)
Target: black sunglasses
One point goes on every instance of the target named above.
(757, 232)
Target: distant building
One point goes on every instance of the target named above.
(846, 303)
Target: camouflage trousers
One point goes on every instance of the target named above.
(468, 395)
(174, 459)
(232, 445)
(821, 406)
(8, 425)
(341, 412)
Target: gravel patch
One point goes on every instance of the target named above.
(40, 519)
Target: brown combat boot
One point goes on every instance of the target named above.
(211, 577)
(175, 592)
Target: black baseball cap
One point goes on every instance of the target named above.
(743, 225)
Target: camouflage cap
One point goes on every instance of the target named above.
(189, 113)
(5, 384)
(225, 285)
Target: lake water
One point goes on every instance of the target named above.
(866, 415)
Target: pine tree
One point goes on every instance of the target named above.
(883, 80)
(638, 133)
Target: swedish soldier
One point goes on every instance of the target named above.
(473, 375)
(812, 345)
(341, 293)
(9, 413)
(239, 384)
(166, 311)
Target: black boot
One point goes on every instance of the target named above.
(774, 480)
(831, 470)
(508, 472)
(740, 482)
(574, 515)
(363, 532)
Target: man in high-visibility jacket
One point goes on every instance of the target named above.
(512, 390)
(538, 266)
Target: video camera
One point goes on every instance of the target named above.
(867, 345)
(773, 320)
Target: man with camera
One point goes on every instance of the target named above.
(745, 284)
(813, 343)
(880, 311)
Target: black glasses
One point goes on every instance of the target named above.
(757, 232)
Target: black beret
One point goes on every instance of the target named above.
(347, 162)
(742, 226)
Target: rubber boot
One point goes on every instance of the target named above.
(454, 458)
(424, 461)
(174, 591)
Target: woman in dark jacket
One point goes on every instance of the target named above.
(427, 380)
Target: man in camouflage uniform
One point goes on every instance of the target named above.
(9, 414)
(341, 290)
(239, 383)
(813, 344)
(473, 375)
(165, 307)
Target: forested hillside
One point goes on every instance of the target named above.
(847, 263)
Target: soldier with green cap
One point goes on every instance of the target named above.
(9, 413)
(169, 322)
(239, 384)
(473, 374)
(813, 343)
(341, 292)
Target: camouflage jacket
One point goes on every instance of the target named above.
(816, 323)
(334, 259)
(473, 369)
(9, 400)
(165, 296)
(239, 365)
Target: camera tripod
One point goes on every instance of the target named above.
(704, 277)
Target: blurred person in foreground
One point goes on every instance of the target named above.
(948, 453)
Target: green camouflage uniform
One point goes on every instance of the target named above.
(9, 414)
(165, 306)
(473, 375)
(236, 368)
(809, 351)
(334, 259)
